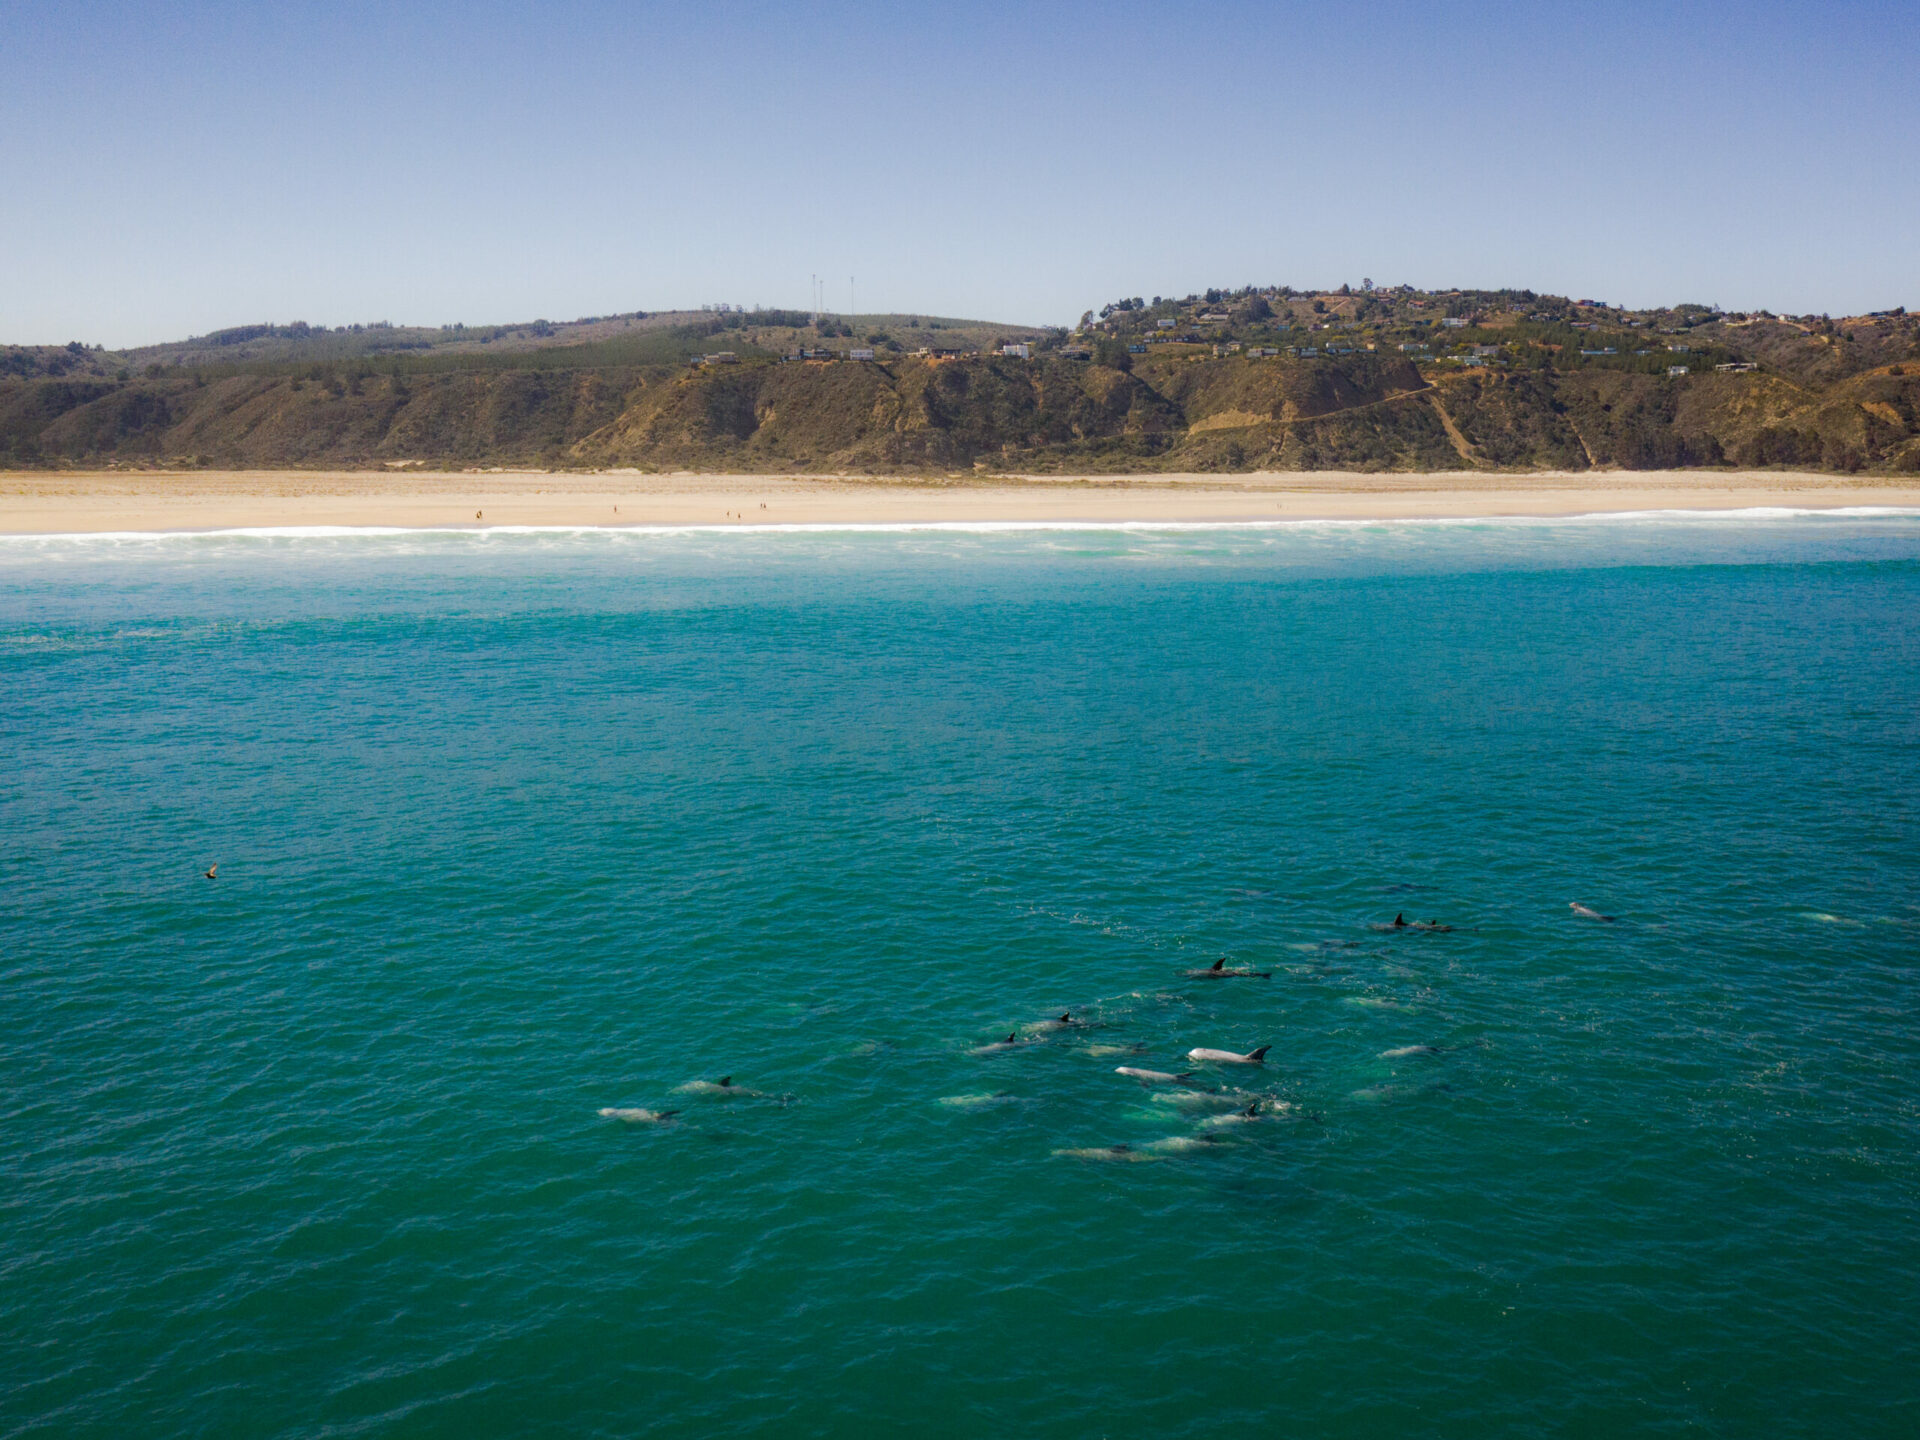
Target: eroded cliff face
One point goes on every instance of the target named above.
(1220, 413)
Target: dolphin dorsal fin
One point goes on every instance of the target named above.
(1066, 1017)
(1253, 1109)
(1401, 918)
(725, 1081)
(1010, 1037)
(1257, 1054)
(1220, 962)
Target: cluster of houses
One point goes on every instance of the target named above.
(1185, 333)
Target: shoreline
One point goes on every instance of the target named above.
(50, 503)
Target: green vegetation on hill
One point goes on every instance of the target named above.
(1227, 381)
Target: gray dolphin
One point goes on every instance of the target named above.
(1218, 971)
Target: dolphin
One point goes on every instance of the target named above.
(1218, 971)
(723, 1087)
(1229, 1057)
(637, 1116)
(1400, 922)
(1238, 1117)
(1064, 1021)
(1201, 1099)
(1150, 1077)
(1179, 1144)
(1012, 1042)
(978, 1102)
(1406, 1050)
(1124, 1154)
(1586, 912)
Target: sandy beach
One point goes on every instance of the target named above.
(64, 502)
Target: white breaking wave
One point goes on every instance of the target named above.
(961, 527)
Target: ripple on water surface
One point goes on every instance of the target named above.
(516, 829)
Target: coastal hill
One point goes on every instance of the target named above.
(1255, 378)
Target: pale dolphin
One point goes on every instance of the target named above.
(1586, 912)
(637, 1116)
(723, 1087)
(1238, 1117)
(1406, 1050)
(1179, 1144)
(1201, 1099)
(1122, 1154)
(1229, 1057)
(978, 1102)
(1150, 1077)
(1012, 1042)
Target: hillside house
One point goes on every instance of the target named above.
(1673, 370)
(1019, 351)
(1164, 324)
(1454, 322)
(860, 354)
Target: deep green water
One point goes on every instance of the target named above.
(511, 828)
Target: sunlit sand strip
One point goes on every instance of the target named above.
(294, 502)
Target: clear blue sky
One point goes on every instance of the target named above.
(168, 168)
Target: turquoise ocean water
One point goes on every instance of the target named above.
(515, 827)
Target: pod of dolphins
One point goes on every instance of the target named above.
(1214, 1111)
